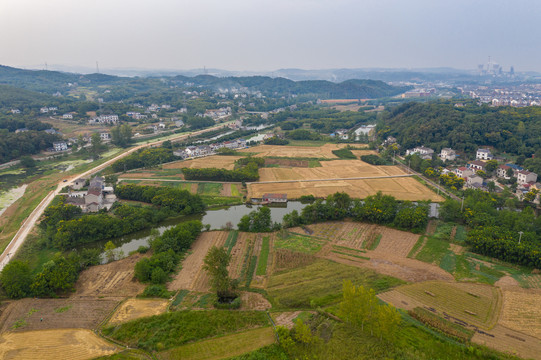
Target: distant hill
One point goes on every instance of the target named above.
(14, 97)
(52, 81)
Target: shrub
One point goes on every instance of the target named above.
(156, 291)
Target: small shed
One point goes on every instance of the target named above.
(274, 198)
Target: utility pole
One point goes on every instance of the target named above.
(462, 206)
(520, 236)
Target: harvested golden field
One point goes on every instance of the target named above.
(65, 344)
(192, 276)
(324, 151)
(42, 314)
(215, 161)
(110, 280)
(510, 341)
(403, 188)
(521, 311)
(400, 188)
(474, 304)
(254, 301)
(133, 309)
(400, 300)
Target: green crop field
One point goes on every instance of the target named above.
(320, 284)
(301, 243)
(222, 347)
(474, 303)
(263, 256)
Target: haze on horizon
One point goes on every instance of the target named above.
(265, 35)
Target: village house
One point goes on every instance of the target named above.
(483, 154)
(447, 154)
(525, 176)
(274, 198)
(474, 182)
(97, 197)
(477, 165)
(424, 152)
(44, 110)
(67, 116)
(105, 136)
(60, 146)
(15, 111)
(78, 184)
(463, 172)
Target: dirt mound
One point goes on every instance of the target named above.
(110, 280)
(133, 309)
(254, 301)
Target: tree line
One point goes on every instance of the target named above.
(378, 209)
(147, 157)
(246, 169)
(179, 202)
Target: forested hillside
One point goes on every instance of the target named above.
(437, 125)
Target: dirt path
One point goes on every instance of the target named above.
(31, 220)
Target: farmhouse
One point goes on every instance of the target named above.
(96, 198)
(484, 154)
(60, 146)
(274, 198)
(67, 116)
(423, 152)
(463, 172)
(447, 154)
(525, 176)
(477, 165)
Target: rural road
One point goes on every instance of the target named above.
(35, 215)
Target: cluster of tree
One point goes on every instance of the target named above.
(496, 225)
(373, 159)
(147, 157)
(175, 201)
(344, 153)
(246, 169)
(258, 221)
(198, 122)
(90, 228)
(121, 135)
(275, 140)
(303, 134)
(167, 252)
(14, 145)
(361, 308)
(322, 120)
(56, 276)
(378, 209)
(464, 129)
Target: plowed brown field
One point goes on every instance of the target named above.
(110, 280)
(192, 276)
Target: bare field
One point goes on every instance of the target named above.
(73, 128)
(110, 280)
(254, 301)
(65, 344)
(215, 161)
(285, 318)
(360, 153)
(521, 311)
(192, 276)
(403, 188)
(42, 314)
(324, 151)
(133, 309)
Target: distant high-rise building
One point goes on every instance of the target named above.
(512, 70)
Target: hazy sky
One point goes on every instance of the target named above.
(270, 34)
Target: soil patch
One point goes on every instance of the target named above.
(216, 161)
(133, 309)
(285, 318)
(254, 301)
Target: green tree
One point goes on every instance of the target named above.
(215, 264)
(96, 146)
(110, 253)
(28, 162)
(16, 279)
(491, 165)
